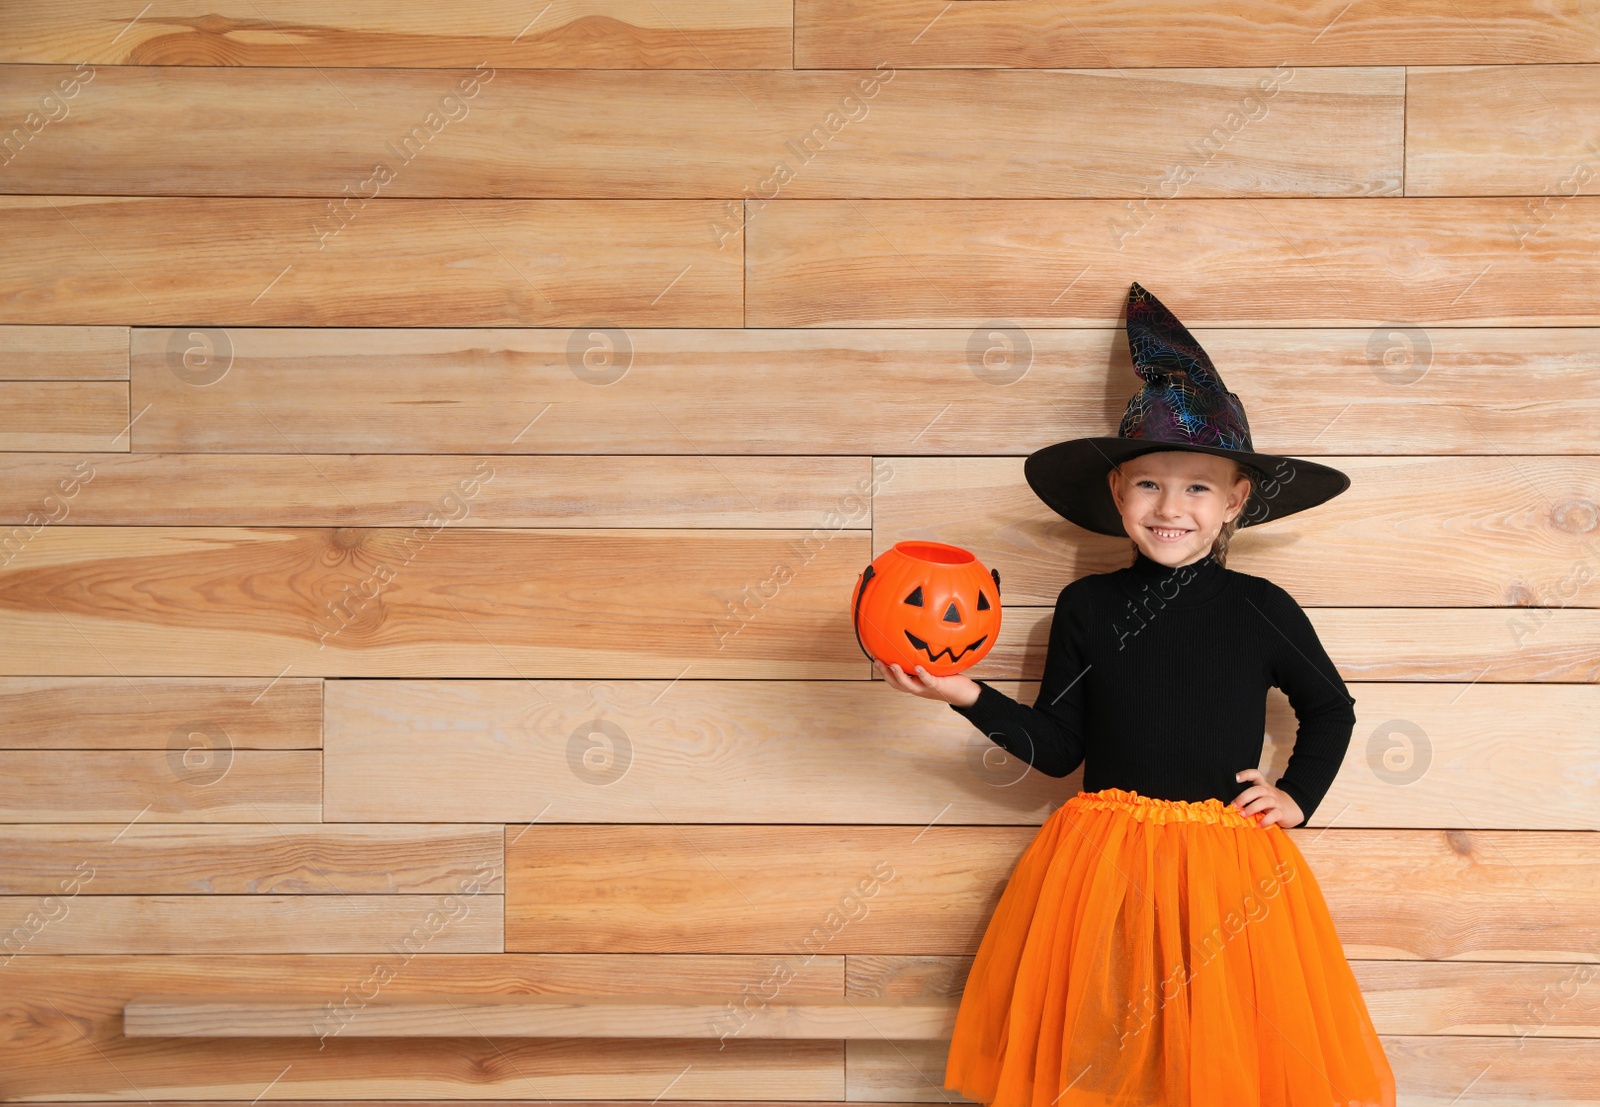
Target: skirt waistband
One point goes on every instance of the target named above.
(1153, 810)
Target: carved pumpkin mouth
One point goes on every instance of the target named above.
(919, 644)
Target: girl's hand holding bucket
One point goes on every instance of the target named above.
(958, 689)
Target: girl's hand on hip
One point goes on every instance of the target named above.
(1273, 804)
(956, 689)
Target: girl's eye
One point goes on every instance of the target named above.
(1192, 487)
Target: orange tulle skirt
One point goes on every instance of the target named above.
(1156, 953)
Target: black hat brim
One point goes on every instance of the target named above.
(1070, 477)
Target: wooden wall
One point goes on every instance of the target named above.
(442, 440)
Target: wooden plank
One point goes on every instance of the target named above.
(1494, 531)
(1465, 1071)
(299, 489)
(1302, 262)
(588, 134)
(1422, 755)
(1480, 872)
(68, 1008)
(930, 890)
(843, 391)
(432, 601)
(541, 1016)
(1539, 644)
(1504, 130)
(1405, 997)
(114, 713)
(394, 262)
(1467, 645)
(63, 415)
(1521, 1000)
(276, 859)
(647, 751)
(87, 923)
(586, 34)
(1023, 33)
(204, 782)
(69, 1038)
(64, 353)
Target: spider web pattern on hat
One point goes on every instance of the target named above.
(1183, 397)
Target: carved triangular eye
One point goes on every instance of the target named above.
(983, 601)
(915, 599)
(951, 615)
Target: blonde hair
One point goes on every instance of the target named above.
(1219, 545)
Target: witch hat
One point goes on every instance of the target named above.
(1183, 405)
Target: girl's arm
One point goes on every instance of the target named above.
(1048, 735)
(1322, 704)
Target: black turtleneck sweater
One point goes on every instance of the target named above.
(1156, 679)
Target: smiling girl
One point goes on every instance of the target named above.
(1161, 940)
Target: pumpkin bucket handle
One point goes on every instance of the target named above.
(855, 619)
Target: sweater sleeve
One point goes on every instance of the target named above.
(1048, 735)
(1322, 704)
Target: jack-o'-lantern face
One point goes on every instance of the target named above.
(944, 627)
(928, 604)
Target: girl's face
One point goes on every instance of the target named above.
(1174, 502)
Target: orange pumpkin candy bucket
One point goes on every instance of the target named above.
(926, 603)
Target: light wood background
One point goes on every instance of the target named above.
(441, 441)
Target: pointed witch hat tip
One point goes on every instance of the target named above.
(1161, 345)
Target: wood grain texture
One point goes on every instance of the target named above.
(63, 353)
(1466, 645)
(1462, 895)
(553, 287)
(117, 713)
(589, 134)
(695, 751)
(1111, 33)
(392, 262)
(1422, 755)
(587, 34)
(87, 923)
(543, 1016)
(985, 391)
(1504, 130)
(1454, 756)
(67, 1012)
(63, 415)
(205, 781)
(346, 490)
(1525, 1000)
(275, 859)
(778, 890)
(1507, 532)
(1246, 262)
(432, 601)
(1393, 894)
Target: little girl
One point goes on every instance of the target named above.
(1162, 941)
